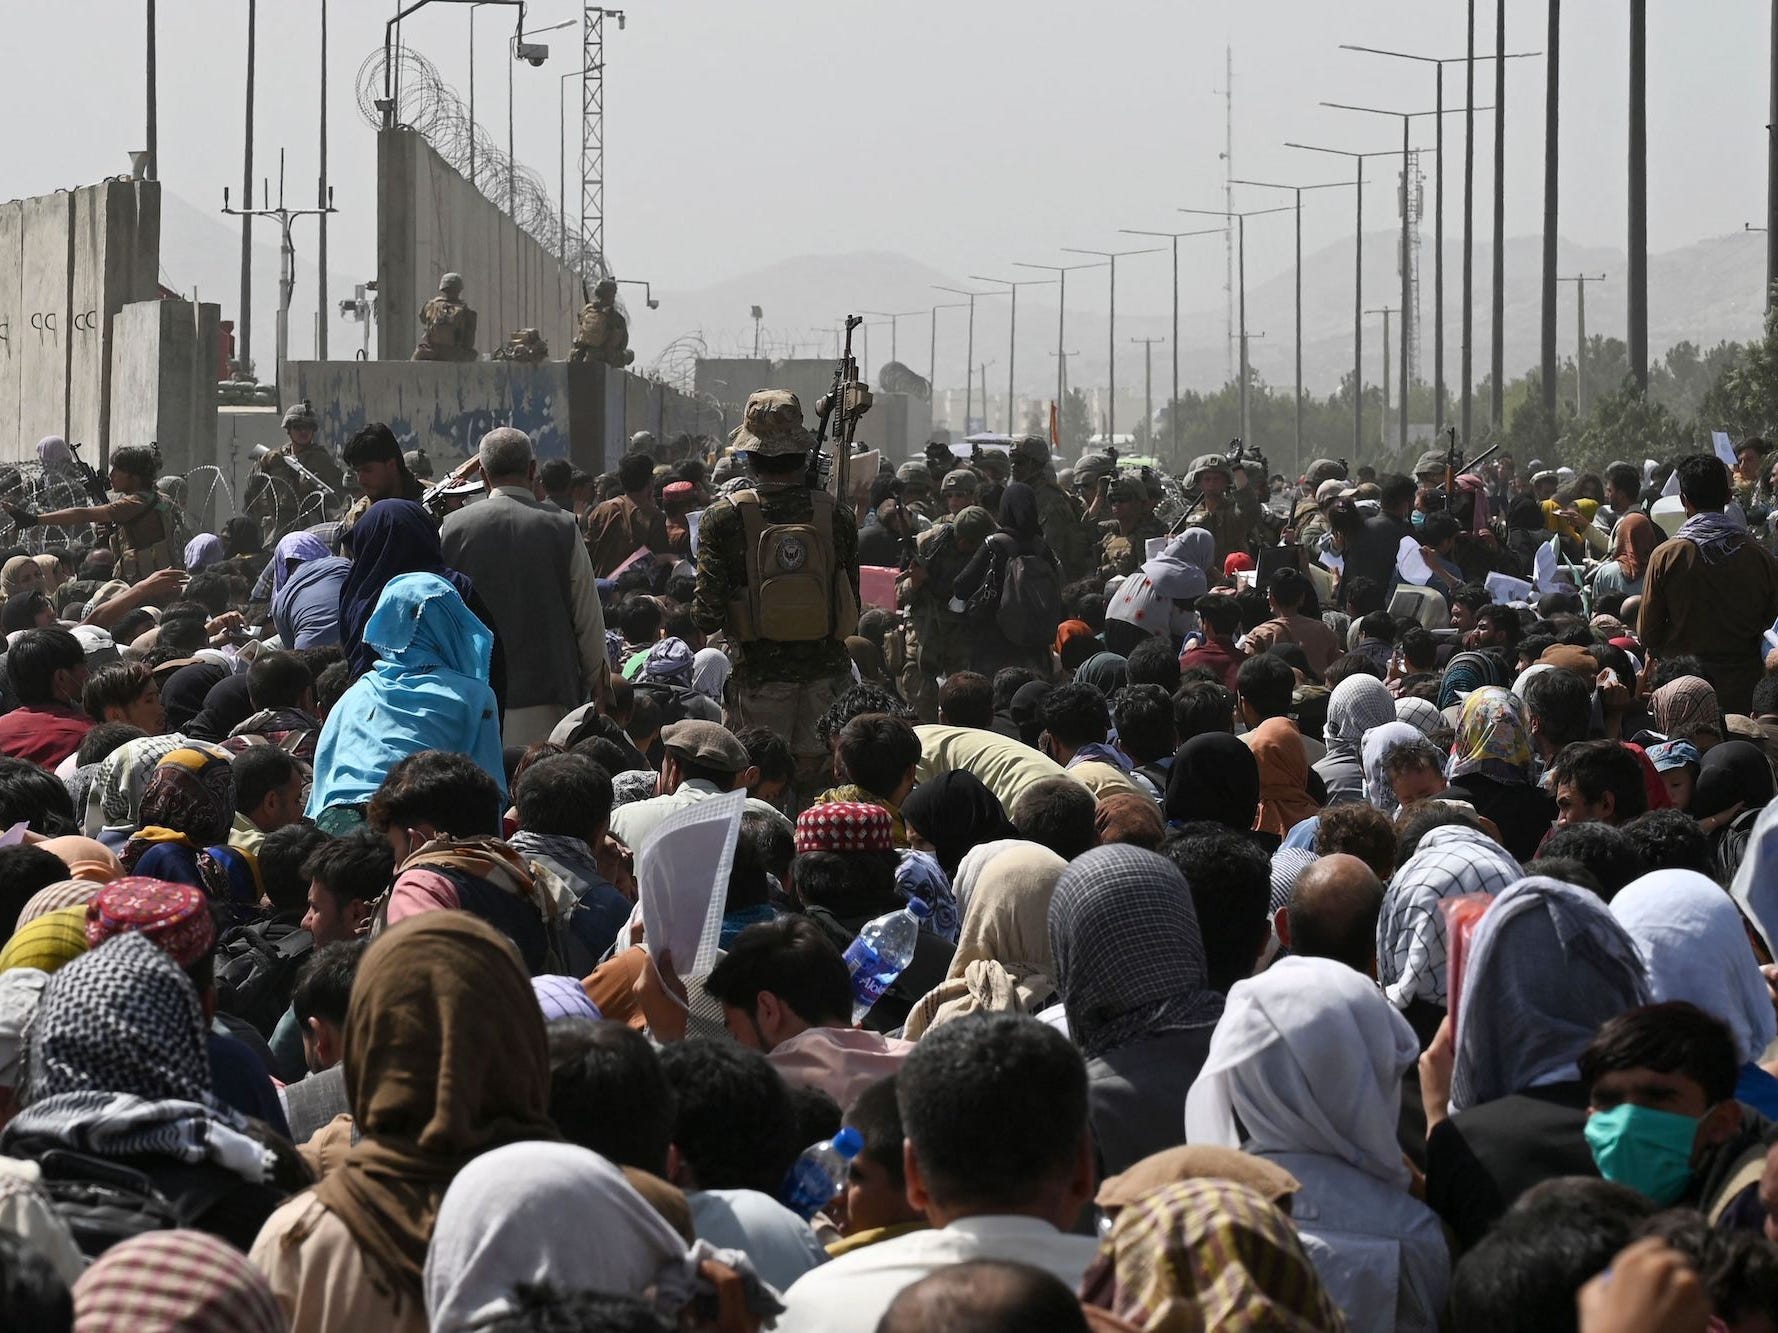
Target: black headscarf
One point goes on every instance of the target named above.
(1023, 710)
(955, 812)
(21, 610)
(1214, 777)
(1734, 771)
(393, 537)
(226, 706)
(1018, 512)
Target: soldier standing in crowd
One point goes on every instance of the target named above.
(1073, 543)
(778, 575)
(941, 635)
(447, 324)
(135, 525)
(276, 504)
(957, 492)
(1230, 507)
(916, 494)
(1124, 543)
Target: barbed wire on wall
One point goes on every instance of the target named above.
(677, 363)
(430, 107)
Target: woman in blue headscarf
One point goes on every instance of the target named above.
(396, 537)
(427, 690)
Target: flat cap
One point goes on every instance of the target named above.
(1433, 460)
(707, 743)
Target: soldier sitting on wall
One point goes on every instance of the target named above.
(526, 345)
(447, 324)
(604, 333)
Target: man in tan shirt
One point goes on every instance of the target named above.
(617, 528)
(1319, 644)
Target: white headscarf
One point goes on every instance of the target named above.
(1378, 742)
(1357, 704)
(21, 988)
(709, 672)
(1449, 862)
(1755, 886)
(1548, 964)
(1690, 937)
(541, 1212)
(1309, 1056)
(969, 869)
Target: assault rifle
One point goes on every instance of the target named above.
(849, 399)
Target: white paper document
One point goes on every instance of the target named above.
(682, 873)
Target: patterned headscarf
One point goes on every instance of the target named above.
(1687, 709)
(1208, 1256)
(563, 997)
(1288, 864)
(1493, 737)
(1378, 790)
(669, 660)
(1129, 957)
(1466, 672)
(192, 792)
(1357, 704)
(919, 875)
(185, 1280)
(54, 897)
(176, 917)
(114, 801)
(1411, 948)
(1420, 714)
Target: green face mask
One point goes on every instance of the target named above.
(1650, 1151)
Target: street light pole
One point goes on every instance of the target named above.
(969, 356)
(892, 317)
(1173, 236)
(1638, 298)
(1061, 271)
(1012, 336)
(1580, 281)
(1148, 385)
(1241, 264)
(1112, 256)
(1297, 192)
(932, 361)
(1385, 312)
(1357, 286)
(1552, 68)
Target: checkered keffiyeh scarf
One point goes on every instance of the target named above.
(1129, 958)
(1411, 948)
(844, 826)
(116, 1065)
(187, 1280)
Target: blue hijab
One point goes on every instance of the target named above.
(428, 690)
(393, 537)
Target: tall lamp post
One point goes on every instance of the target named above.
(932, 356)
(1111, 257)
(1241, 283)
(1386, 311)
(1358, 285)
(1173, 236)
(892, 317)
(1297, 190)
(1438, 64)
(1061, 271)
(969, 354)
(1012, 336)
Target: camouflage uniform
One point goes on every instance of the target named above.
(785, 686)
(275, 490)
(1073, 538)
(1232, 523)
(447, 325)
(604, 333)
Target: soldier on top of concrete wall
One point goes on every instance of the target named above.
(447, 324)
(136, 524)
(604, 333)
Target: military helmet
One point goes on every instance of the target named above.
(451, 282)
(1431, 463)
(960, 481)
(1126, 486)
(418, 464)
(642, 442)
(994, 462)
(914, 474)
(1090, 468)
(1209, 463)
(1032, 448)
(300, 414)
(1323, 469)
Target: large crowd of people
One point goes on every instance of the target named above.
(1336, 909)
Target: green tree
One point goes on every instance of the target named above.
(1625, 424)
(1077, 422)
(1744, 398)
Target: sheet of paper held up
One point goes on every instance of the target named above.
(1725, 449)
(1410, 562)
(1543, 566)
(682, 873)
(1506, 588)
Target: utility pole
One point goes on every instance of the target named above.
(1468, 222)
(1012, 338)
(1580, 281)
(1241, 287)
(892, 317)
(1148, 386)
(323, 202)
(244, 334)
(969, 357)
(932, 359)
(1173, 236)
(286, 257)
(1111, 257)
(151, 170)
(1357, 287)
(1772, 162)
(1638, 297)
(1552, 75)
(1061, 271)
(1227, 93)
(1297, 191)
(1497, 406)
(1385, 312)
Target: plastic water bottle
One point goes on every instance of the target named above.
(816, 1178)
(881, 952)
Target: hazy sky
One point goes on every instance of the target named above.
(964, 133)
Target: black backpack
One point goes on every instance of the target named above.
(256, 968)
(104, 1201)
(1030, 600)
(669, 698)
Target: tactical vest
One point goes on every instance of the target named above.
(795, 591)
(142, 543)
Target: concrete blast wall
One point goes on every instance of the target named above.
(898, 424)
(163, 380)
(69, 262)
(431, 221)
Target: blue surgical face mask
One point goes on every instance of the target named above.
(1418, 518)
(1650, 1151)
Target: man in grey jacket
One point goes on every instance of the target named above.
(529, 565)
